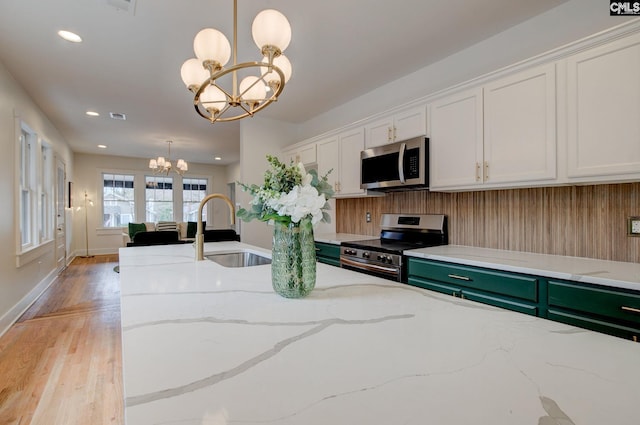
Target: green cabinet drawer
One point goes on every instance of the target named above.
(595, 324)
(503, 283)
(328, 253)
(611, 303)
(327, 250)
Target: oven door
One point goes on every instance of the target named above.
(386, 272)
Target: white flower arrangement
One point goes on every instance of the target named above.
(288, 195)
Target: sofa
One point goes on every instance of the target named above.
(171, 232)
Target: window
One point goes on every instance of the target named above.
(118, 200)
(27, 190)
(46, 194)
(159, 198)
(35, 219)
(193, 191)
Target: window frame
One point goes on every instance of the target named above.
(125, 175)
(184, 203)
(34, 194)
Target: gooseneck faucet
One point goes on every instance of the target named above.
(200, 230)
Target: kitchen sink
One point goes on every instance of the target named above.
(241, 258)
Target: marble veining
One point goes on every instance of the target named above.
(209, 345)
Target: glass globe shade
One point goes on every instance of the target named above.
(211, 44)
(252, 89)
(213, 97)
(193, 73)
(281, 62)
(271, 28)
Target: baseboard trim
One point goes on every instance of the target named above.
(11, 316)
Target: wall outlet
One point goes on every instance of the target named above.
(367, 217)
(633, 226)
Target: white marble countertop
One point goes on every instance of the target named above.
(608, 273)
(338, 238)
(205, 344)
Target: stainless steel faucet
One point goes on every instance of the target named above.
(200, 230)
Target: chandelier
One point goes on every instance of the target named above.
(162, 165)
(217, 94)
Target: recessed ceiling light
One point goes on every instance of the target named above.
(92, 113)
(102, 146)
(70, 36)
(217, 158)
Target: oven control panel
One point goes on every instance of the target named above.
(371, 256)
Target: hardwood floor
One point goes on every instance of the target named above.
(61, 363)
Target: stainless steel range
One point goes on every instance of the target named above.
(384, 257)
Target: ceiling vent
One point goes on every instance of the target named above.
(128, 6)
(117, 116)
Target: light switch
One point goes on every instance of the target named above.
(634, 226)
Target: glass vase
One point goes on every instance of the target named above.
(293, 260)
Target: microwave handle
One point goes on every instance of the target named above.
(403, 147)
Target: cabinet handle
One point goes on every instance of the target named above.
(477, 171)
(455, 276)
(635, 338)
(389, 134)
(462, 296)
(454, 294)
(486, 170)
(631, 309)
(394, 132)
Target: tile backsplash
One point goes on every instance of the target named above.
(582, 221)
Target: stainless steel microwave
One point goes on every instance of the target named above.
(396, 166)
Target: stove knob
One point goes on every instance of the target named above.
(366, 254)
(381, 258)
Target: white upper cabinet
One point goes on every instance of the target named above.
(397, 127)
(455, 144)
(603, 122)
(520, 127)
(305, 154)
(341, 154)
(499, 135)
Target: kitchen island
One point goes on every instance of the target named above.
(206, 344)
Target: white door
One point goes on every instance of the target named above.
(603, 111)
(520, 127)
(61, 225)
(456, 143)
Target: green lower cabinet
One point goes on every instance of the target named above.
(609, 310)
(603, 309)
(328, 253)
(501, 289)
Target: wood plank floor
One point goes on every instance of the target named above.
(61, 363)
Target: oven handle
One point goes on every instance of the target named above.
(372, 267)
(403, 147)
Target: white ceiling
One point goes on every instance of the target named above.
(129, 62)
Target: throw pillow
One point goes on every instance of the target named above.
(164, 226)
(135, 228)
(192, 228)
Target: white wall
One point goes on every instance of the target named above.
(564, 24)
(20, 286)
(88, 174)
(258, 137)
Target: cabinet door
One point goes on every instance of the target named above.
(520, 127)
(603, 111)
(329, 159)
(456, 140)
(379, 133)
(289, 156)
(351, 144)
(307, 154)
(410, 123)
